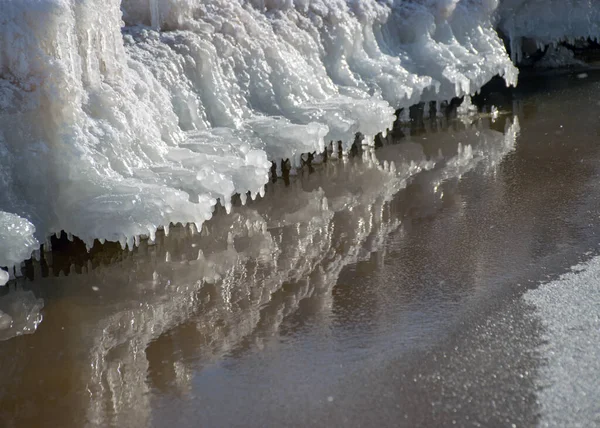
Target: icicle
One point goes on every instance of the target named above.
(439, 109)
(321, 145)
(404, 115)
(154, 14)
(130, 241)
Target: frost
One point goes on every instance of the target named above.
(119, 118)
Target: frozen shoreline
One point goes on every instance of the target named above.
(145, 114)
(119, 117)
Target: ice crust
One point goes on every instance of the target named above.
(117, 118)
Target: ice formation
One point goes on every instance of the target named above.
(119, 117)
(16, 242)
(532, 24)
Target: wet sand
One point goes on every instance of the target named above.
(353, 294)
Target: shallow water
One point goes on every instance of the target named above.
(352, 294)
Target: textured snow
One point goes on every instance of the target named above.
(570, 310)
(118, 118)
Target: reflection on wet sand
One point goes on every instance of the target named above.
(114, 334)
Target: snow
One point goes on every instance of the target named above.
(117, 118)
(568, 385)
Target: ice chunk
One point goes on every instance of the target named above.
(16, 242)
(4, 277)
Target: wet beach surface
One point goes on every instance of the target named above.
(354, 294)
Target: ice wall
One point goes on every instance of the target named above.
(531, 24)
(119, 117)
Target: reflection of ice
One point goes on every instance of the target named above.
(20, 313)
(235, 282)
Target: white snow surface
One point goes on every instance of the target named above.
(120, 117)
(570, 310)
